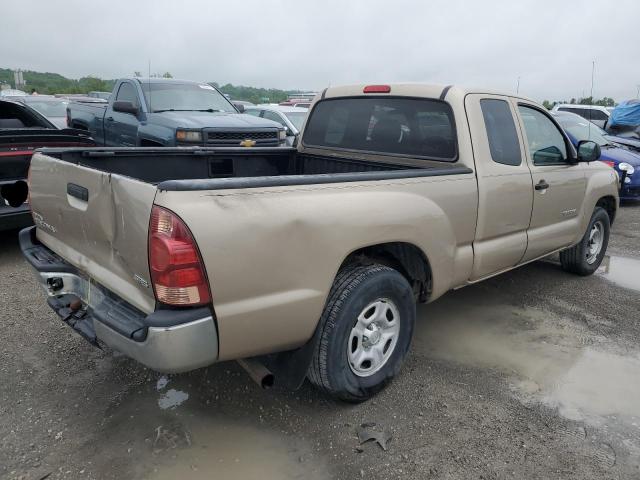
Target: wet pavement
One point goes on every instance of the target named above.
(622, 271)
(533, 374)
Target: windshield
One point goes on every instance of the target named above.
(582, 130)
(49, 108)
(185, 97)
(297, 118)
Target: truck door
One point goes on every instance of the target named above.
(559, 182)
(120, 128)
(504, 185)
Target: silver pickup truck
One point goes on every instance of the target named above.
(309, 261)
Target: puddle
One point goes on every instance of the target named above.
(222, 450)
(172, 399)
(622, 271)
(599, 383)
(163, 436)
(550, 358)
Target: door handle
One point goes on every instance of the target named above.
(78, 191)
(542, 185)
(109, 119)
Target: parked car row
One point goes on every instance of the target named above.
(622, 123)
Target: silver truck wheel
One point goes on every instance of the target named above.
(373, 337)
(585, 257)
(595, 242)
(364, 332)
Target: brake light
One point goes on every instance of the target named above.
(377, 89)
(177, 271)
(611, 164)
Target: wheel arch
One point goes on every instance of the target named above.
(608, 202)
(405, 257)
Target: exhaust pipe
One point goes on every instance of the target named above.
(258, 372)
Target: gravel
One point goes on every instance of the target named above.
(69, 410)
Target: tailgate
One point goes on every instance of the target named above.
(98, 222)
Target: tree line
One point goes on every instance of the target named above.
(603, 102)
(50, 83)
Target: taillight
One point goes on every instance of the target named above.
(611, 164)
(376, 89)
(177, 271)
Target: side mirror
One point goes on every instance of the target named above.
(240, 107)
(588, 151)
(125, 107)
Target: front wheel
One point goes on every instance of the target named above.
(366, 331)
(585, 257)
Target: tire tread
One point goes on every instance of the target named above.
(347, 280)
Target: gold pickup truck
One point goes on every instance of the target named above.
(309, 261)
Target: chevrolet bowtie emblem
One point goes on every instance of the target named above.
(247, 143)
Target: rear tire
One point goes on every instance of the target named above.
(365, 332)
(585, 257)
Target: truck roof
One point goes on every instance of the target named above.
(413, 90)
(146, 80)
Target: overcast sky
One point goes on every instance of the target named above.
(309, 44)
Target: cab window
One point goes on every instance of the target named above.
(546, 143)
(384, 125)
(126, 93)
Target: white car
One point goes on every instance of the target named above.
(289, 117)
(12, 92)
(594, 113)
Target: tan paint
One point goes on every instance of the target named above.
(105, 237)
(505, 199)
(271, 296)
(271, 254)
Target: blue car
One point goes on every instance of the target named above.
(625, 162)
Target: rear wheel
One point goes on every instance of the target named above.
(366, 331)
(585, 257)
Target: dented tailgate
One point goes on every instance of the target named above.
(98, 222)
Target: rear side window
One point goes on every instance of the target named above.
(393, 126)
(592, 114)
(501, 132)
(588, 113)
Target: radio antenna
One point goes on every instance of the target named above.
(593, 69)
(149, 84)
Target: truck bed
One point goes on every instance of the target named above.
(200, 168)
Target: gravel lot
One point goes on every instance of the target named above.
(534, 374)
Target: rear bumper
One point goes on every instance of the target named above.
(166, 340)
